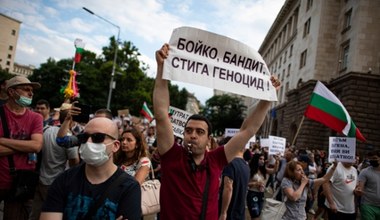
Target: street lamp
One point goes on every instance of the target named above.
(114, 58)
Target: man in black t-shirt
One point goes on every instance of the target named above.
(76, 191)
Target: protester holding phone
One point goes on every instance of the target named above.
(69, 128)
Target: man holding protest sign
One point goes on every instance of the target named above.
(190, 174)
(339, 191)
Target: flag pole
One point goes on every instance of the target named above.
(298, 130)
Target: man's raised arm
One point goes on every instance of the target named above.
(250, 126)
(161, 102)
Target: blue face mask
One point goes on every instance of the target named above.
(24, 101)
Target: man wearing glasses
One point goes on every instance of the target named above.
(75, 192)
(25, 136)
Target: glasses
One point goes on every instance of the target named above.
(95, 137)
(25, 89)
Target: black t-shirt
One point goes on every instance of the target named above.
(73, 195)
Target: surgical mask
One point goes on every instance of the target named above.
(261, 163)
(94, 154)
(374, 163)
(24, 101)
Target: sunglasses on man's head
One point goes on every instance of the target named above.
(95, 137)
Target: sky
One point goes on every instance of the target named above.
(50, 27)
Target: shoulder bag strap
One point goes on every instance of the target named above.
(12, 169)
(205, 196)
(104, 195)
(151, 168)
(4, 122)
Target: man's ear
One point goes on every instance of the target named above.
(116, 146)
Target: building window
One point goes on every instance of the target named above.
(13, 32)
(306, 27)
(10, 47)
(279, 64)
(291, 51)
(8, 63)
(286, 91)
(309, 4)
(9, 56)
(344, 57)
(286, 54)
(288, 74)
(275, 67)
(303, 59)
(347, 20)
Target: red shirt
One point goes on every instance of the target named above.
(21, 127)
(182, 189)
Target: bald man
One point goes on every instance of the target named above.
(74, 192)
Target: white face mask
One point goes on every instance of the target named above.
(94, 154)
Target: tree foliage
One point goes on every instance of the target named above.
(224, 111)
(133, 86)
(4, 74)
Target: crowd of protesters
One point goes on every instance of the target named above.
(98, 152)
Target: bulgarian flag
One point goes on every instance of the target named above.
(79, 45)
(146, 112)
(326, 108)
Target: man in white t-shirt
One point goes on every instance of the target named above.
(339, 191)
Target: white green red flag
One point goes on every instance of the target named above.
(79, 48)
(326, 108)
(146, 112)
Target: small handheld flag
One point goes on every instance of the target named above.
(146, 112)
(79, 45)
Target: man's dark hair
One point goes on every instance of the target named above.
(43, 102)
(201, 118)
(107, 112)
(225, 140)
(373, 153)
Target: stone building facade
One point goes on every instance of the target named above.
(9, 33)
(338, 43)
(361, 97)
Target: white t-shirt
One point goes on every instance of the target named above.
(132, 169)
(343, 183)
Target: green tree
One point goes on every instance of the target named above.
(133, 86)
(224, 111)
(5, 74)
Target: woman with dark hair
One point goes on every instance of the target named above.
(295, 186)
(132, 157)
(256, 184)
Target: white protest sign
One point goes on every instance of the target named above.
(276, 145)
(178, 119)
(264, 142)
(342, 149)
(230, 132)
(207, 59)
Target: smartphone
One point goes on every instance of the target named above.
(84, 116)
